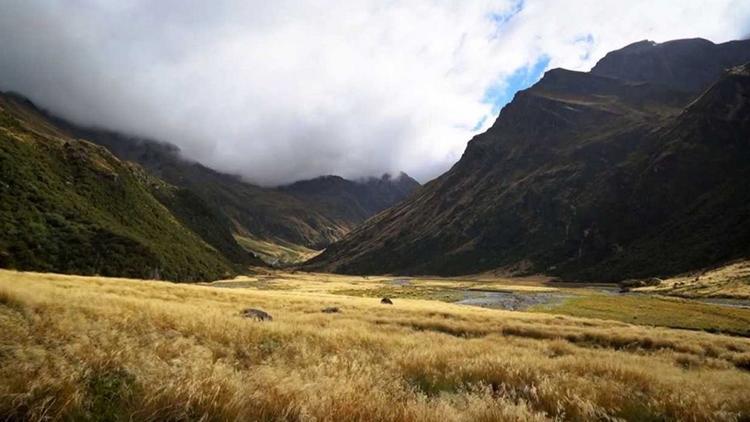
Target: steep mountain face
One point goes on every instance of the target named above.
(584, 176)
(70, 206)
(353, 201)
(281, 225)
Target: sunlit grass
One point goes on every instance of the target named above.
(76, 347)
(665, 312)
(730, 281)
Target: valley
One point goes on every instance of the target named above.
(587, 256)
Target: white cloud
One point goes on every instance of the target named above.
(283, 90)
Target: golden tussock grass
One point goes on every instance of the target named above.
(113, 349)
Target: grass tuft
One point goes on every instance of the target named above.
(8, 300)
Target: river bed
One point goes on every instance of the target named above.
(511, 301)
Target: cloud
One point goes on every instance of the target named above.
(284, 90)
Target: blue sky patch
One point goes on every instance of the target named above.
(502, 92)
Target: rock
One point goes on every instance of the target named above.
(626, 284)
(653, 281)
(386, 301)
(330, 310)
(257, 314)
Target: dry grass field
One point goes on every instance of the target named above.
(581, 300)
(89, 348)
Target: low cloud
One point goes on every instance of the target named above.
(284, 90)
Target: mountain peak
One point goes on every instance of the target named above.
(689, 65)
(388, 177)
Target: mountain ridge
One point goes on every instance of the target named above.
(690, 65)
(353, 200)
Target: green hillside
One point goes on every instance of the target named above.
(70, 206)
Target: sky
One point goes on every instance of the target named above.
(279, 91)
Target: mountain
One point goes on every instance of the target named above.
(353, 201)
(589, 176)
(280, 225)
(70, 206)
(690, 65)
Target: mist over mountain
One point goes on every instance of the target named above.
(296, 90)
(241, 221)
(307, 214)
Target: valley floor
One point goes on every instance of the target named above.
(110, 349)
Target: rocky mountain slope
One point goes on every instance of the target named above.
(629, 170)
(68, 205)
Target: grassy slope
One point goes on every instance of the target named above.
(730, 281)
(75, 347)
(206, 221)
(70, 206)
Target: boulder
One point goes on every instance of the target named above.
(257, 314)
(330, 310)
